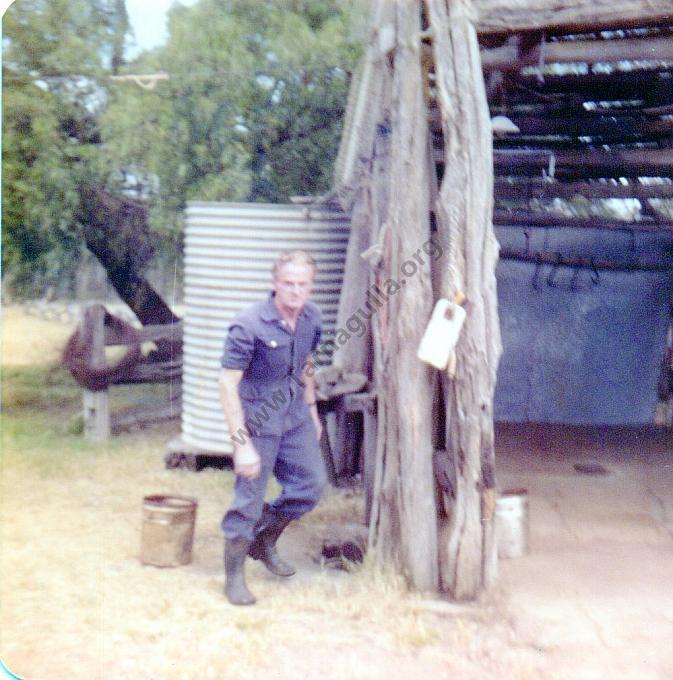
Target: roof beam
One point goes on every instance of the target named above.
(571, 164)
(590, 163)
(515, 55)
(593, 126)
(528, 218)
(507, 16)
(649, 85)
(593, 263)
(534, 188)
(582, 124)
(560, 143)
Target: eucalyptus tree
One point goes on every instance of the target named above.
(56, 56)
(251, 110)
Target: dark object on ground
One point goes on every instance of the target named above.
(591, 468)
(182, 455)
(344, 544)
(196, 462)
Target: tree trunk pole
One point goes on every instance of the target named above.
(404, 526)
(468, 551)
(354, 356)
(353, 176)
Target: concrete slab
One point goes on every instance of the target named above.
(595, 591)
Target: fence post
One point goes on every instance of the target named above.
(96, 404)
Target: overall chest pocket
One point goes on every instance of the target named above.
(274, 354)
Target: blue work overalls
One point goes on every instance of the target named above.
(277, 419)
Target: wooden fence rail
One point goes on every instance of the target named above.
(96, 403)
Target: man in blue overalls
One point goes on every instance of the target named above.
(268, 397)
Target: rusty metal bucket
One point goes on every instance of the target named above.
(167, 530)
(512, 523)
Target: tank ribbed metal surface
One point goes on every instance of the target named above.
(229, 250)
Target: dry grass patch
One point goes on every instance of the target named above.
(75, 602)
(28, 340)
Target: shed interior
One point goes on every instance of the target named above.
(583, 212)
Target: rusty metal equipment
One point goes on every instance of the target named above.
(167, 530)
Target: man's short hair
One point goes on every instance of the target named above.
(294, 256)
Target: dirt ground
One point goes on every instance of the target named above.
(595, 593)
(591, 599)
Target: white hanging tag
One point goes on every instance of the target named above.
(442, 333)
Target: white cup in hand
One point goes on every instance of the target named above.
(247, 462)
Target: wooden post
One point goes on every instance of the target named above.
(354, 177)
(354, 355)
(403, 523)
(96, 404)
(368, 452)
(467, 550)
(325, 448)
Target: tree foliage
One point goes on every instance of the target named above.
(54, 54)
(252, 109)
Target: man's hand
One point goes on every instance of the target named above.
(316, 420)
(247, 462)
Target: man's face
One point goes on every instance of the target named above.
(292, 285)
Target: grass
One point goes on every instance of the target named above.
(75, 601)
(38, 387)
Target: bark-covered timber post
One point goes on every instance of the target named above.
(467, 544)
(403, 527)
(388, 182)
(356, 185)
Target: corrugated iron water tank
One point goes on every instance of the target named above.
(229, 251)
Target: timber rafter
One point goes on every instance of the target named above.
(529, 218)
(574, 164)
(506, 16)
(532, 188)
(590, 92)
(518, 54)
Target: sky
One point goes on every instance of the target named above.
(148, 20)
